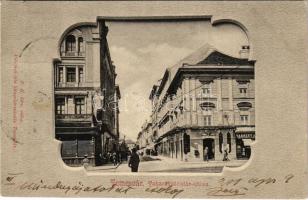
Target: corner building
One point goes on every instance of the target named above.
(86, 95)
(205, 100)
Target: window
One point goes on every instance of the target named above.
(206, 87)
(206, 91)
(85, 147)
(79, 105)
(69, 148)
(244, 119)
(70, 43)
(244, 105)
(207, 120)
(207, 106)
(60, 106)
(60, 75)
(243, 92)
(71, 74)
(80, 74)
(220, 142)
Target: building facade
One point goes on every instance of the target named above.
(205, 101)
(86, 96)
(145, 140)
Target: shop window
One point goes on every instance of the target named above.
(208, 120)
(79, 105)
(69, 148)
(229, 141)
(80, 74)
(244, 119)
(71, 74)
(70, 43)
(85, 147)
(220, 138)
(186, 143)
(60, 106)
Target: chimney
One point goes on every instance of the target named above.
(244, 52)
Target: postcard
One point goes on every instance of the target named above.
(154, 99)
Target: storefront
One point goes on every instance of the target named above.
(243, 143)
(78, 143)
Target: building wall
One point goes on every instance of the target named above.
(85, 79)
(221, 92)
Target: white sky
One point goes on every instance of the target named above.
(142, 51)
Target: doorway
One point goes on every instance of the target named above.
(210, 144)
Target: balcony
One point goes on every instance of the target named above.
(73, 54)
(74, 117)
(73, 84)
(75, 120)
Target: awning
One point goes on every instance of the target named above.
(247, 142)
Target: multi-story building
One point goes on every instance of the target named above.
(145, 138)
(205, 101)
(86, 96)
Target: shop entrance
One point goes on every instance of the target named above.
(210, 144)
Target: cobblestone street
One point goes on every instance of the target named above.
(171, 165)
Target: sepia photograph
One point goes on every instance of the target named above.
(154, 99)
(181, 100)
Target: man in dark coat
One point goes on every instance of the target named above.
(134, 160)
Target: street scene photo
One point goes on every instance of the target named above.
(154, 95)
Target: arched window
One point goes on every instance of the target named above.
(70, 43)
(220, 142)
(244, 105)
(80, 45)
(229, 141)
(207, 106)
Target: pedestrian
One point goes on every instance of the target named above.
(85, 161)
(114, 158)
(109, 157)
(225, 154)
(134, 160)
(206, 154)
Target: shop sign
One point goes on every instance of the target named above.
(245, 135)
(205, 134)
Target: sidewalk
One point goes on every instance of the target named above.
(109, 167)
(203, 163)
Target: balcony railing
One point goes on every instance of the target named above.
(74, 116)
(73, 84)
(73, 54)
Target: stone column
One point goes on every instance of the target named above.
(231, 115)
(77, 75)
(232, 155)
(186, 98)
(219, 102)
(230, 93)
(66, 105)
(64, 74)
